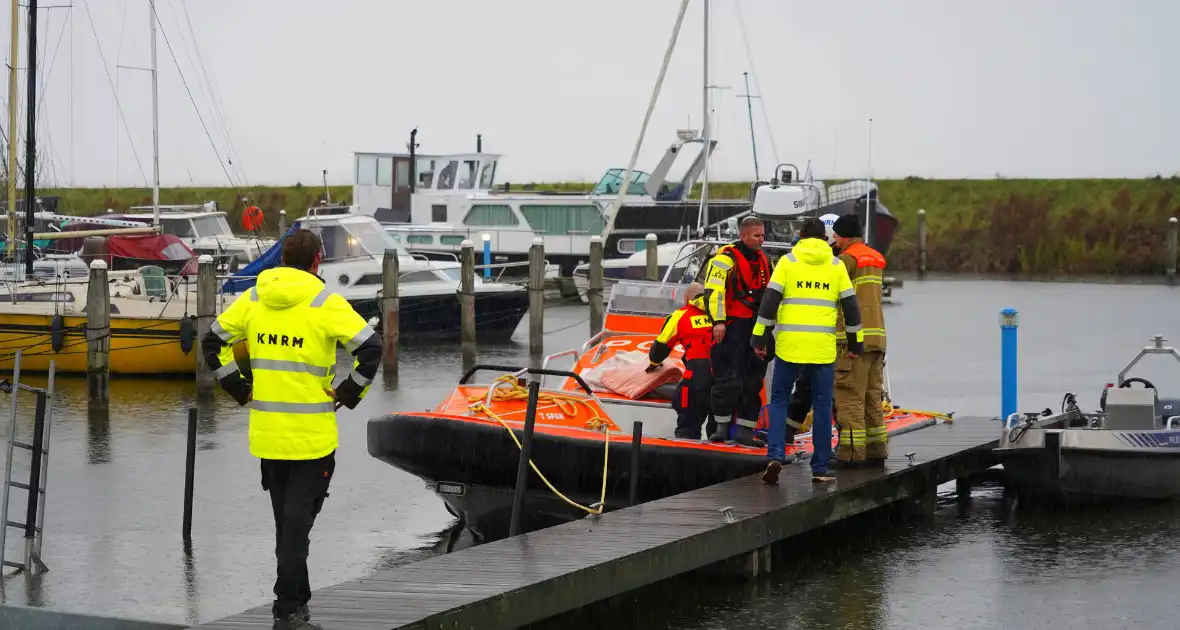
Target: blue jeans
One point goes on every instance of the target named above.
(782, 382)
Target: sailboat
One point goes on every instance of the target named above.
(153, 318)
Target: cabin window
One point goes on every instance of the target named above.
(211, 226)
(385, 171)
(446, 178)
(555, 220)
(180, 228)
(403, 175)
(632, 245)
(418, 276)
(366, 170)
(451, 239)
(438, 213)
(490, 214)
(425, 172)
(487, 176)
(467, 174)
(420, 239)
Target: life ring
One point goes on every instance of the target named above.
(252, 218)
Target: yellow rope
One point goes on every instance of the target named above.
(563, 402)
(596, 423)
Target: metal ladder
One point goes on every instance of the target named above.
(38, 471)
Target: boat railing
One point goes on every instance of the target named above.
(517, 372)
(1168, 425)
(1157, 347)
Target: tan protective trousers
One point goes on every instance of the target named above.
(859, 393)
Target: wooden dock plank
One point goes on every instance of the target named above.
(536, 575)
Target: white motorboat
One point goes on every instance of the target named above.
(1130, 449)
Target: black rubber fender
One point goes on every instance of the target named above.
(188, 333)
(57, 332)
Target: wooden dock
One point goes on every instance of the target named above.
(534, 576)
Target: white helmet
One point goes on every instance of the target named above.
(829, 220)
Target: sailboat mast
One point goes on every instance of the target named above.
(30, 138)
(155, 125)
(702, 218)
(13, 55)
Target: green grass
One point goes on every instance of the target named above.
(1033, 226)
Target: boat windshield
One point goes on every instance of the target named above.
(613, 179)
(214, 225)
(354, 240)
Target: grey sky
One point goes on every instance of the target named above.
(1048, 88)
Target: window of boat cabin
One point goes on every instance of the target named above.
(438, 213)
(425, 171)
(352, 240)
(467, 174)
(403, 177)
(631, 245)
(557, 220)
(418, 276)
(446, 177)
(613, 179)
(215, 225)
(366, 170)
(420, 239)
(385, 171)
(488, 175)
(451, 239)
(181, 228)
(490, 214)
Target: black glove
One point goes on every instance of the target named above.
(348, 393)
(238, 388)
(856, 347)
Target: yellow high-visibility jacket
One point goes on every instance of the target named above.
(292, 324)
(799, 306)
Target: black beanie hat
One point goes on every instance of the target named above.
(847, 226)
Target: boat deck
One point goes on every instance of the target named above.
(534, 576)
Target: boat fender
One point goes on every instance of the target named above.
(57, 332)
(188, 332)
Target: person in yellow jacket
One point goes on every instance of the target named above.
(799, 308)
(292, 324)
(859, 392)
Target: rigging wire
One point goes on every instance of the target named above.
(757, 85)
(194, 102)
(111, 83)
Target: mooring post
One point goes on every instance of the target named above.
(595, 290)
(467, 291)
(636, 452)
(522, 466)
(963, 489)
(282, 223)
(98, 337)
(390, 311)
(190, 460)
(537, 296)
(652, 248)
(487, 256)
(1009, 320)
(1172, 238)
(921, 244)
(34, 489)
(206, 315)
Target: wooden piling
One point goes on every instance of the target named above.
(206, 315)
(467, 292)
(651, 246)
(390, 310)
(921, 244)
(1172, 238)
(537, 296)
(282, 222)
(594, 292)
(98, 337)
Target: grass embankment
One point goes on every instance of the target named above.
(1057, 226)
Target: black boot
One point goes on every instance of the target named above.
(744, 436)
(721, 434)
(295, 621)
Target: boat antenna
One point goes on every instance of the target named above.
(12, 94)
(30, 138)
(750, 108)
(705, 128)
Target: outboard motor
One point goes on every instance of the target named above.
(1167, 408)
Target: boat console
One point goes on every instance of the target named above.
(1140, 408)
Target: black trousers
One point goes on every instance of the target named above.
(297, 492)
(692, 399)
(737, 374)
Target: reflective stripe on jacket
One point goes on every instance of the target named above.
(800, 307)
(866, 267)
(292, 324)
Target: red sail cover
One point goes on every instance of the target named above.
(152, 247)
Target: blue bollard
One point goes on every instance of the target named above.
(1008, 325)
(487, 256)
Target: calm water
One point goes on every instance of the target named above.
(113, 541)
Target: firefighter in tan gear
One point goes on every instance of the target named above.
(859, 382)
